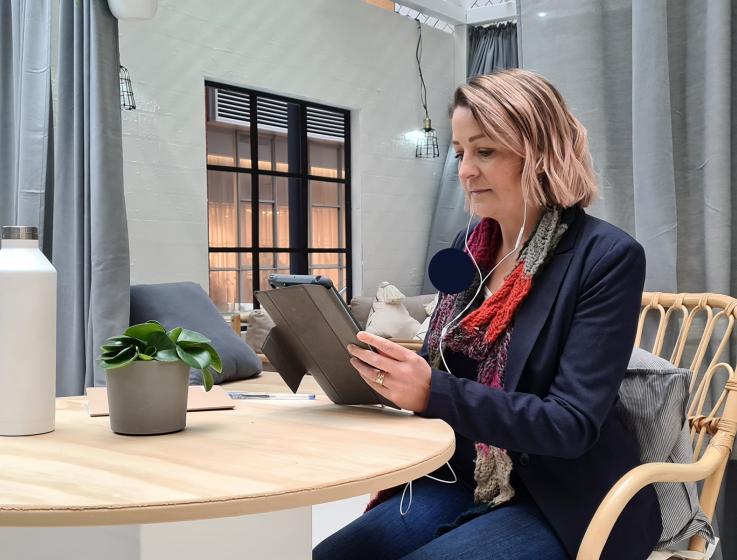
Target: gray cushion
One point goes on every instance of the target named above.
(652, 404)
(185, 304)
(360, 309)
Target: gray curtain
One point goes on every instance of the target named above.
(489, 48)
(655, 85)
(90, 238)
(25, 111)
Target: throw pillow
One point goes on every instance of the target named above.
(422, 331)
(416, 305)
(652, 404)
(259, 324)
(425, 326)
(185, 304)
(388, 317)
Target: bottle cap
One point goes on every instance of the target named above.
(20, 232)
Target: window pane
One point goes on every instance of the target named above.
(266, 184)
(282, 262)
(327, 225)
(223, 261)
(266, 261)
(325, 228)
(264, 274)
(246, 287)
(326, 158)
(323, 193)
(282, 213)
(220, 145)
(331, 265)
(266, 225)
(223, 289)
(221, 209)
(326, 260)
(244, 147)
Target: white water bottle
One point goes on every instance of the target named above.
(27, 335)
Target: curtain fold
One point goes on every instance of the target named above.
(90, 236)
(25, 112)
(654, 83)
(489, 48)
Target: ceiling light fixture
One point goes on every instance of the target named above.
(127, 101)
(427, 139)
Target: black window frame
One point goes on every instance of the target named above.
(303, 177)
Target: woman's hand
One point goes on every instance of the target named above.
(403, 376)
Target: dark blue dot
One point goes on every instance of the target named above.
(451, 271)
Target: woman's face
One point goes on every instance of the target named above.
(490, 175)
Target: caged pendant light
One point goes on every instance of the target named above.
(427, 138)
(127, 101)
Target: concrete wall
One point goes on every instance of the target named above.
(343, 53)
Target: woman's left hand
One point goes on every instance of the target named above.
(406, 375)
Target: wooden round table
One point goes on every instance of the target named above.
(262, 456)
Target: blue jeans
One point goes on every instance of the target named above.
(514, 531)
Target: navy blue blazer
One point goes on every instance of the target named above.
(571, 343)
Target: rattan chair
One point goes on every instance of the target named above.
(701, 325)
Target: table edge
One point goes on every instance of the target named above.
(226, 507)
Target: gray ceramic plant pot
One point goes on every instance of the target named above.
(147, 398)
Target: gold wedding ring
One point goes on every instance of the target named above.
(380, 378)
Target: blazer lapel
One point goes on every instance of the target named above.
(534, 311)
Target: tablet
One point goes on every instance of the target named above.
(313, 326)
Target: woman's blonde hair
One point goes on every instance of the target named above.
(526, 114)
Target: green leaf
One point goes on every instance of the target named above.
(143, 331)
(168, 355)
(124, 358)
(207, 379)
(145, 357)
(174, 334)
(110, 343)
(196, 358)
(192, 336)
(217, 365)
(127, 351)
(123, 340)
(161, 341)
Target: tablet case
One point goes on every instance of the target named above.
(313, 328)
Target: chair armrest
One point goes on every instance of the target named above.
(635, 480)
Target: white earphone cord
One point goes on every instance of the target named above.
(402, 512)
(443, 332)
(517, 243)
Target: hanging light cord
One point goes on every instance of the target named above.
(418, 55)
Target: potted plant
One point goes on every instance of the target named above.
(147, 371)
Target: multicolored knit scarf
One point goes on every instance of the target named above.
(484, 333)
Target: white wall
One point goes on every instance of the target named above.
(343, 53)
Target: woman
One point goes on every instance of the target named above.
(526, 363)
